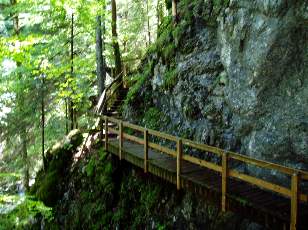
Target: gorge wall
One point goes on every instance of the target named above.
(231, 73)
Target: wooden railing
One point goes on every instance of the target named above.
(224, 169)
(107, 94)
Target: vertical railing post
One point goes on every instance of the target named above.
(101, 128)
(120, 139)
(294, 200)
(224, 181)
(146, 149)
(106, 133)
(179, 150)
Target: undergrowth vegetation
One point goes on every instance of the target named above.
(26, 213)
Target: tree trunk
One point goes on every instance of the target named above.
(124, 62)
(116, 48)
(148, 23)
(43, 121)
(100, 62)
(71, 103)
(66, 116)
(174, 11)
(25, 158)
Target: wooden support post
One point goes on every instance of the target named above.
(224, 180)
(106, 133)
(146, 149)
(101, 128)
(120, 139)
(294, 200)
(179, 150)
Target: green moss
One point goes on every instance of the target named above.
(48, 190)
(170, 79)
(152, 118)
(152, 49)
(20, 217)
(91, 208)
(48, 184)
(179, 32)
(134, 89)
(218, 5)
(164, 38)
(140, 79)
(169, 52)
(90, 167)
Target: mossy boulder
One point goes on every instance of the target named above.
(48, 186)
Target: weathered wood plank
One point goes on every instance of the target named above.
(146, 150)
(162, 135)
(132, 126)
(120, 139)
(261, 183)
(106, 133)
(224, 179)
(114, 120)
(260, 163)
(202, 147)
(162, 149)
(294, 200)
(179, 153)
(112, 130)
(203, 163)
(133, 138)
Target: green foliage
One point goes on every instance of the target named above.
(164, 33)
(90, 167)
(178, 33)
(169, 52)
(218, 5)
(139, 81)
(22, 215)
(170, 79)
(153, 118)
(133, 90)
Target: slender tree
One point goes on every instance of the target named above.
(71, 103)
(100, 59)
(148, 22)
(115, 43)
(20, 106)
(43, 119)
(174, 11)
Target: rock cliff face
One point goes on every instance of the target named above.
(231, 74)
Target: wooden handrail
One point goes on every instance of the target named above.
(104, 97)
(203, 147)
(296, 175)
(132, 126)
(163, 135)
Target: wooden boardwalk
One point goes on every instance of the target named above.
(233, 191)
